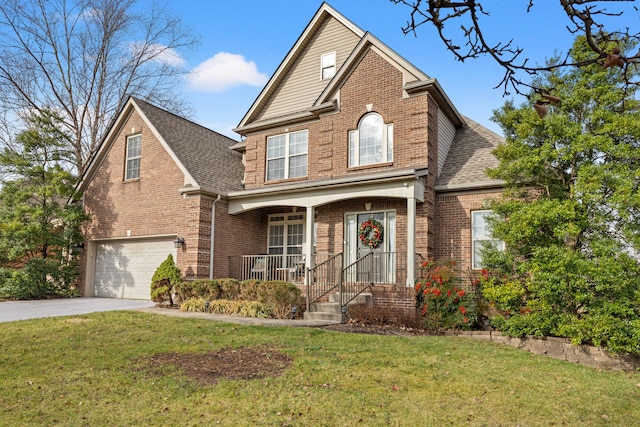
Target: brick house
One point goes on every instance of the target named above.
(346, 132)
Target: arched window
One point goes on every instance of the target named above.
(372, 142)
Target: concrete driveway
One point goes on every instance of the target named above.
(21, 310)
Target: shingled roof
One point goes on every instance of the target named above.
(203, 152)
(468, 158)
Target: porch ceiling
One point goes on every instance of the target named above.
(404, 184)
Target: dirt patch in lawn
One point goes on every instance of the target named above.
(227, 363)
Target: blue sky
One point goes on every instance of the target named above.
(243, 42)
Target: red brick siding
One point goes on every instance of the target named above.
(152, 205)
(376, 82)
(394, 300)
(236, 235)
(453, 215)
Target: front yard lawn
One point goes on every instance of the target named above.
(129, 368)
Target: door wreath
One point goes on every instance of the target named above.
(370, 233)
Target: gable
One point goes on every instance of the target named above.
(202, 156)
(288, 92)
(302, 84)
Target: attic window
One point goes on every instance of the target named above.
(134, 150)
(328, 65)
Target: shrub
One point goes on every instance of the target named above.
(441, 299)
(201, 288)
(249, 289)
(503, 294)
(39, 278)
(280, 296)
(589, 297)
(198, 305)
(166, 276)
(229, 289)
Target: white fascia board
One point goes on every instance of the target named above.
(401, 186)
(105, 144)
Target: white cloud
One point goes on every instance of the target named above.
(225, 70)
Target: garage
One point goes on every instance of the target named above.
(123, 268)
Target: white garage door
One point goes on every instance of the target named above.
(124, 268)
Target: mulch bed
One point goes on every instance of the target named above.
(227, 363)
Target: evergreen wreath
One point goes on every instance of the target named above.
(370, 233)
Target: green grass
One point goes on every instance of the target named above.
(84, 370)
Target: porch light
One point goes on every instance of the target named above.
(178, 242)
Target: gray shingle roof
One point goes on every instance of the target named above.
(203, 152)
(468, 157)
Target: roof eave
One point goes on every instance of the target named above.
(469, 186)
(433, 88)
(394, 175)
(301, 116)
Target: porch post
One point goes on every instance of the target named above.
(308, 237)
(411, 240)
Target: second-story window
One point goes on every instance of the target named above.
(328, 65)
(134, 151)
(372, 142)
(287, 155)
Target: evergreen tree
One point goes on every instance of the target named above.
(38, 227)
(570, 215)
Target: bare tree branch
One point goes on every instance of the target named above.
(586, 17)
(82, 59)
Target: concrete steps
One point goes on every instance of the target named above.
(331, 310)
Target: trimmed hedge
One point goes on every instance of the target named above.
(251, 298)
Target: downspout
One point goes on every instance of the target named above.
(213, 234)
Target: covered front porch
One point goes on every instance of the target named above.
(316, 231)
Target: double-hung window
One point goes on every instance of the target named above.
(134, 151)
(287, 155)
(328, 66)
(372, 142)
(481, 236)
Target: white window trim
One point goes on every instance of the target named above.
(127, 158)
(476, 265)
(323, 67)
(285, 222)
(287, 156)
(355, 134)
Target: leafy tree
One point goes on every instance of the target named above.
(83, 58)
(590, 18)
(38, 228)
(569, 215)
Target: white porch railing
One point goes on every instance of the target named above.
(289, 268)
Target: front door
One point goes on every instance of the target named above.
(382, 269)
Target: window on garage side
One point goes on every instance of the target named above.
(481, 236)
(134, 151)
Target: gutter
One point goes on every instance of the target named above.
(213, 229)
